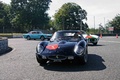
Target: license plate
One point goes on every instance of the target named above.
(70, 57)
(57, 60)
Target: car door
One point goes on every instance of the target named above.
(34, 35)
(38, 35)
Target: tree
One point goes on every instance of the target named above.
(4, 17)
(1, 15)
(70, 16)
(30, 14)
(37, 10)
(115, 23)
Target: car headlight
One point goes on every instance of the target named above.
(79, 50)
(39, 48)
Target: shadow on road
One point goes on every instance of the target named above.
(8, 50)
(95, 63)
(95, 45)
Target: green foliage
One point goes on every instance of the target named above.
(115, 22)
(4, 16)
(93, 31)
(1, 14)
(30, 14)
(70, 16)
(25, 15)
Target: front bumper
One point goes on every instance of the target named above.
(58, 58)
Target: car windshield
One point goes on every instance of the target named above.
(68, 36)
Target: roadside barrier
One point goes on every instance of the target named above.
(3, 44)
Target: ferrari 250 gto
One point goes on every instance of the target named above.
(65, 45)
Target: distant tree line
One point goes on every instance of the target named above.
(26, 15)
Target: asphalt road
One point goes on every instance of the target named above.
(21, 64)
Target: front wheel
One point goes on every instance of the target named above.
(84, 58)
(28, 38)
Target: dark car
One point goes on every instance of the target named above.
(65, 45)
(37, 35)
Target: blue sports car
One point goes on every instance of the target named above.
(37, 35)
(65, 45)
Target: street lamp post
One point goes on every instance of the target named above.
(94, 24)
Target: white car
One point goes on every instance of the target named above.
(91, 38)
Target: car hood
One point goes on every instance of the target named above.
(90, 36)
(64, 48)
(64, 44)
(94, 36)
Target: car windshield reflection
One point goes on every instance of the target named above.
(72, 37)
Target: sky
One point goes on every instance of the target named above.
(98, 11)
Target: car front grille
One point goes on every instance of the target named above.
(59, 57)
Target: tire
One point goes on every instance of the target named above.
(95, 43)
(84, 58)
(42, 38)
(41, 61)
(48, 39)
(28, 37)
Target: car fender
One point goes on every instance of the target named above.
(80, 47)
(42, 44)
(82, 43)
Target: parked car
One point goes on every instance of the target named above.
(65, 45)
(91, 38)
(37, 35)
